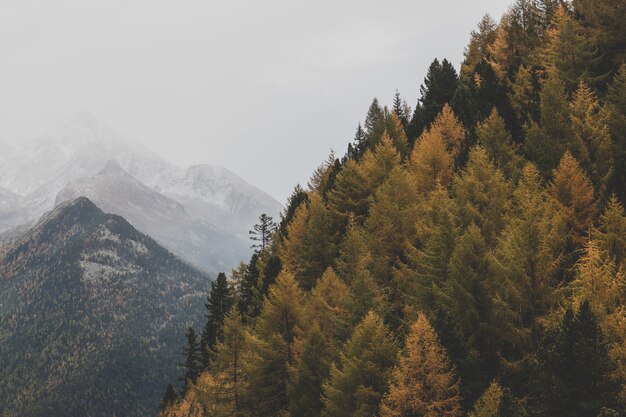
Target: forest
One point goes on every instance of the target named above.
(463, 258)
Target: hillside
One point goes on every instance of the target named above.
(90, 314)
(463, 258)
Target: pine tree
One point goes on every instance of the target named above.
(219, 302)
(262, 232)
(192, 364)
(574, 367)
(424, 382)
(359, 380)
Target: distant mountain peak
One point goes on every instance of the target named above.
(113, 168)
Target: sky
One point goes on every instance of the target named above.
(263, 88)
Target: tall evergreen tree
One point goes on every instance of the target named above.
(262, 232)
(616, 103)
(277, 328)
(359, 380)
(438, 89)
(193, 362)
(424, 383)
(219, 302)
(574, 367)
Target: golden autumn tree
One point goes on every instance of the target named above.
(272, 346)
(572, 190)
(430, 162)
(590, 128)
(611, 233)
(424, 382)
(449, 129)
(497, 141)
(310, 244)
(358, 381)
(481, 195)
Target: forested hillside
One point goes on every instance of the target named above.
(464, 258)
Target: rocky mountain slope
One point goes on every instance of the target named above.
(91, 316)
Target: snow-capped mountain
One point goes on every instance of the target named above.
(83, 156)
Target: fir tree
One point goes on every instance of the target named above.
(169, 397)
(574, 366)
(438, 89)
(219, 302)
(193, 361)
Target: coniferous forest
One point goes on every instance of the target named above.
(466, 257)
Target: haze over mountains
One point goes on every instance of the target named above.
(202, 213)
(91, 316)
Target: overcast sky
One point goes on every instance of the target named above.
(263, 87)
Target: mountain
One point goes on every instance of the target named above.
(48, 170)
(92, 314)
(163, 218)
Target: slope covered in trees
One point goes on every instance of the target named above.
(464, 258)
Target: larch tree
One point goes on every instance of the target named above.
(573, 191)
(329, 305)
(424, 382)
(310, 369)
(449, 129)
(431, 162)
(478, 48)
(498, 143)
(616, 104)
(611, 233)
(481, 195)
(273, 346)
(547, 140)
(569, 50)
(590, 128)
(358, 382)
